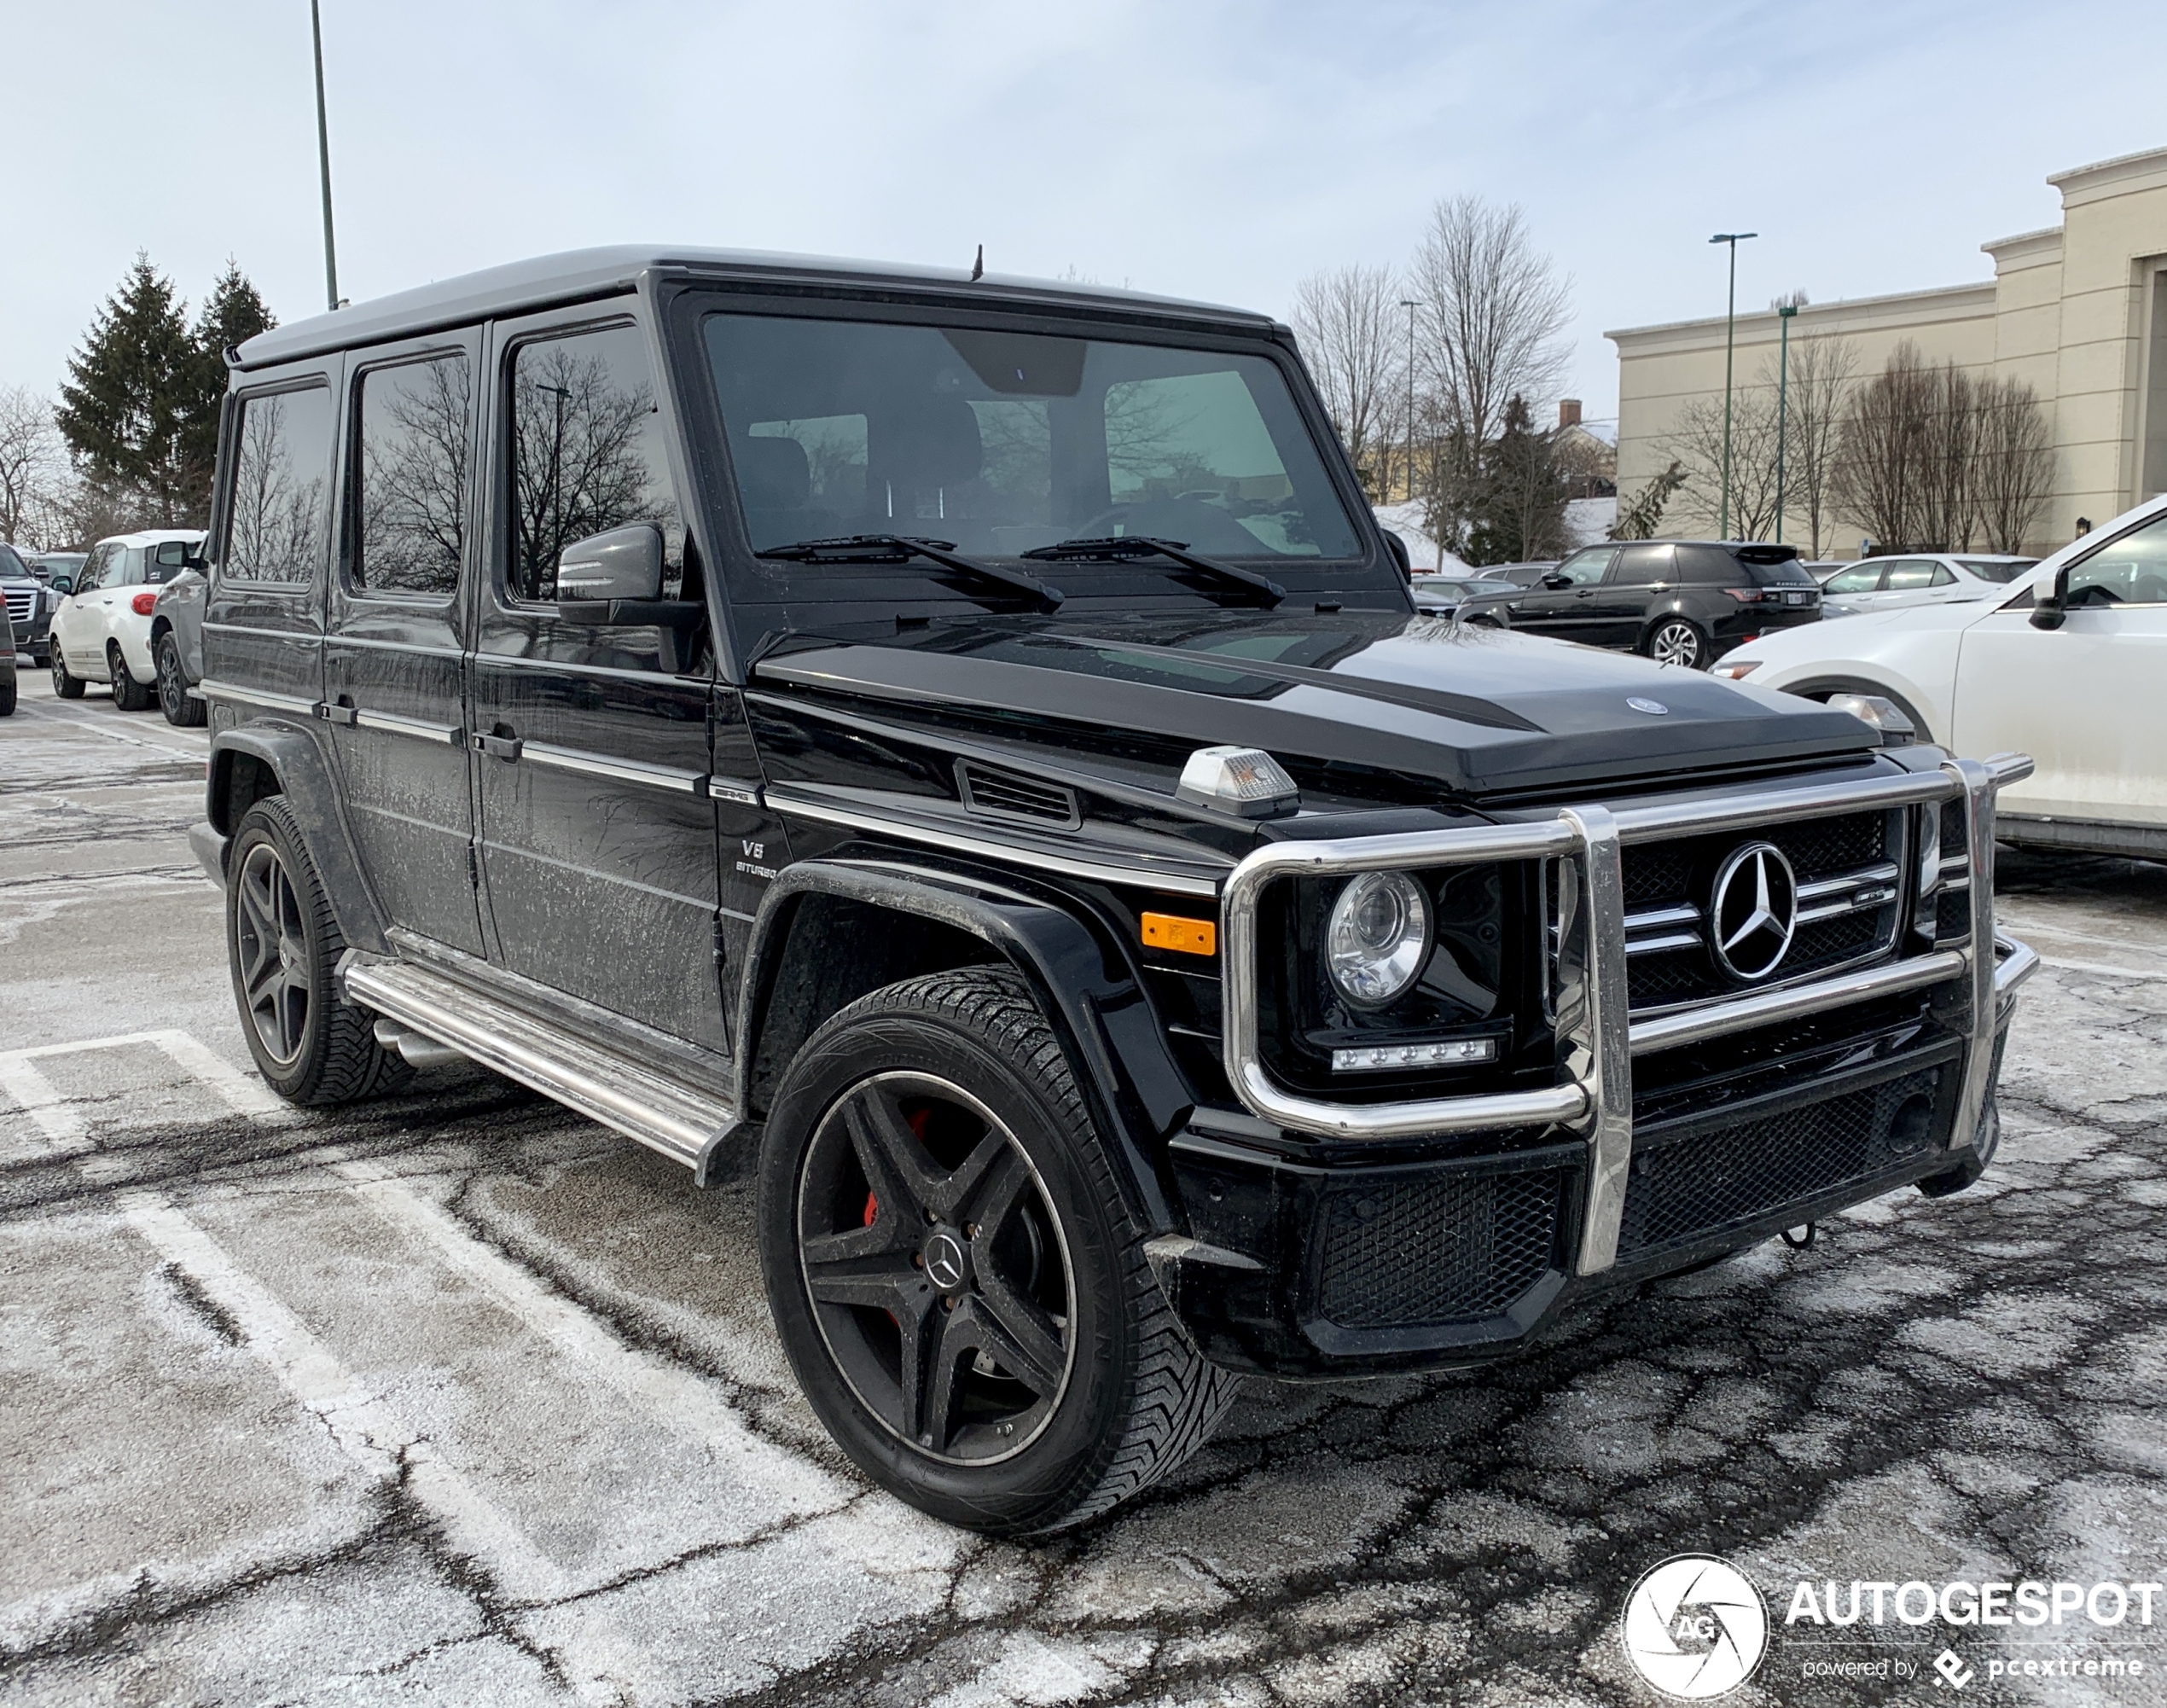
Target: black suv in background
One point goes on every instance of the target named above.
(1677, 602)
(961, 751)
(30, 604)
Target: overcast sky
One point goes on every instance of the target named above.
(1208, 149)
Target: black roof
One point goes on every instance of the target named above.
(521, 286)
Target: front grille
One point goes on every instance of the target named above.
(1423, 1250)
(1003, 794)
(1677, 877)
(22, 604)
(1682, 1190)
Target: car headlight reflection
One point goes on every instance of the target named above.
(1378, 938)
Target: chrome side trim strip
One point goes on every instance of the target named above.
(257, 697)
(420, 729)
(556, 758)
(1600, 1053)
(1005, 853)
(1742, 1013)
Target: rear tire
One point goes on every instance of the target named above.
(966, 1304)
(128, 694)
(65, 685)
(182, 710)
(8, 697)
(282, 943)
(1677, 641)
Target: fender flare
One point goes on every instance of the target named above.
(295, 759)
(1090, 997)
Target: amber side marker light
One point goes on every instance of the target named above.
(1182, 935)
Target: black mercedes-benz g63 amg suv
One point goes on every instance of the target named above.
(964, 749)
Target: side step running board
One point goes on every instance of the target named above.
(683, 1124)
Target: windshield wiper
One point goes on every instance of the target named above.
(1118, 547)
(902, 548)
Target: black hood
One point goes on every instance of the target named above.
(1482, 711)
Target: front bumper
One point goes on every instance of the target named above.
(1834, 1090)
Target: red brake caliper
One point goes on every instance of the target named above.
(918, 1120)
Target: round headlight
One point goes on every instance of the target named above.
(1378, 938)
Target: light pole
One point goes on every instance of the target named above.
(1410, 304)
(1784, 311)
(323, 162)
(1730, 340)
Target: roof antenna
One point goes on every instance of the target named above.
(978, 267)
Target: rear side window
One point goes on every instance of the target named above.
(127, 568)
(587, 454)
(1708, 567)
(1915, 572)
(407, 503)
(1993, 569)
(282, 469)
(1639, 566)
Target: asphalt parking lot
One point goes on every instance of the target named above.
(459, 1397)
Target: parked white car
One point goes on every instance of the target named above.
(2069, 665)
(102, 630)
(1897, 583)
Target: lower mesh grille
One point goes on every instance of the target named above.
(1952, 914)
(1681, 1191)
(1445, 1248)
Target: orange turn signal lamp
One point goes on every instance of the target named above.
(1182, 935)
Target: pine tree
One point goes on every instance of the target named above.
(232, 314)
(125, 406)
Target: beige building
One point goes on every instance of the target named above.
(2078, 311)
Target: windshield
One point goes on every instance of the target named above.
(11, 565)
(1997, 569)
(1001, 442)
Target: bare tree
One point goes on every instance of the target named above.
(1822, 371)
(1697, 443)
(2016, 462)
(1349, 322)
(33, 466)
(1948, 450)
(1489, 328)
(1879, 471)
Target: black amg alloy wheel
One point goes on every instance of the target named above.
(1677, 641)
(174, 698)
(282, 943)
(964, 1302)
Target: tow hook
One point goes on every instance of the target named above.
(1800, 1239)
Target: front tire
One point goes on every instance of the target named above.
(282, 943)
(66, 685)
(8, 697)
(182, 710)
(967, 1305)
(128, 694)
(1677, 641)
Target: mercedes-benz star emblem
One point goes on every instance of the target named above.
(944, 1262)
(1753, 911)
(1654, 708)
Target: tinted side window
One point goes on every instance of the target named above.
(1708, 567)
(587, 454)
(408, 508)
(282, 467)
(1637, 565)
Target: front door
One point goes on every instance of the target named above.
(598, 825)
(80, 626)
(393, 671)
(1567, 610)
(2086, 701)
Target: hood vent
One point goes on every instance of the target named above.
(989, 793)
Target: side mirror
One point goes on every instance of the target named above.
(1397, 547)
(623, 563)
(1554, 581)
(61, 584)
(2048, 611)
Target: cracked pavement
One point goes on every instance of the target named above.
(457, 1397)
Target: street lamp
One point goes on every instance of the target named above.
(1730, 338)
(1784, 312)
(323, 162)
(1410, 304)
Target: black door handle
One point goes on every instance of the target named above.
(506, 747)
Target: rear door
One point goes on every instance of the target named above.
(1640, 574)
(394, 682)
(1910, 581)
(598, 822)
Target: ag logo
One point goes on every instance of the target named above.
(1694, 1627)
(1753, 911)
